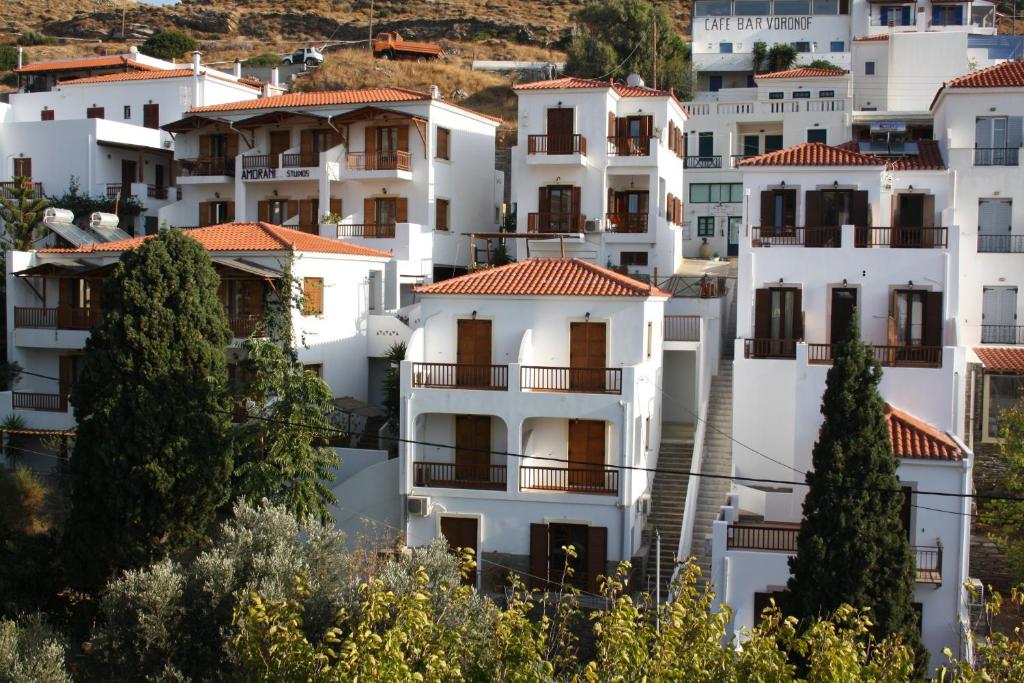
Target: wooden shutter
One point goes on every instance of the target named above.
(403, 138)
(679, 211)
(672, 136)
(369, 211)
(263, 210)
(538, 555)
(931, 334)
(543, 200)
(928, 211)
(23, 167)
(646, 128)
(229, 211)
(336, 205)
(895, 215)
(291, 209)
(860, 210)
(611, 124)
(441, 218)
(812, 209)
(597, 555)
(798, 314)
(767, 208)
(306, 207)
(401, 209)
(576, 194)
(46, 115)
(205, 145)
(151, 115)
(789, 208)
(371, 141)
(762, 313)
(306, 143)
(611, 201)
(205, 214)
(890, 330)
(313, 295)
(670, 208)
(623, 125)
(94, 112)
(231, 146)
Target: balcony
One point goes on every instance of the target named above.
(571, 380)
(561, 222)
(629, 146)
(627, 222)
(863, 237)
(257, 161)
(888, 356)
(1002, 334)
(378, 161)
(61, 318)
(557, 145)
(767, 236)
(582, 479)
(7, 186)
(694, 286)
(456, 376)
(156, 191)
(1001, 244)
(244, 326)
(367, 230)
(782, 537)
(996, 156)
(900, 238)
(202, 167)
(28, 400)
(770, 348)
(460, 476)
(702, 162)
(682, 328)
(307, 160)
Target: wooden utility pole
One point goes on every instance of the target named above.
(371, 26)
(655, 53)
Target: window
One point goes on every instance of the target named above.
(725, 48)
(792, 7)
(441, 222)
(705, 144)
(712, 8)
(706, 226)
(869, 68)
(151, 115)
(443, 143)
(716, 193)
(801, 94)
(315, 368)
(714, 83)
(1001, 392)
(947, 15)
(46, 115)
(94, 113)
(837, 46)
(776, 95)
(312, 296)
(895, 15)
(772, 143)
(778, 322)
(826, 7)
(752, 8)
(23, 167)
(633, 258)
(127, 112)
(817, 135)
(800, 45)
(826, 93)
(997, 140)
(751, 145)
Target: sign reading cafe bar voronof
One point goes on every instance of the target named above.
(757, 23)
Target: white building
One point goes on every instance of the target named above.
(598, 168)
(523, 392)
(53, 300)
(97, 120)
(831, 230)
(400, 170)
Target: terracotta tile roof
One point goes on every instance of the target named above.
(572, 82)
(866, 39)
(805, 72)
(85, 63)
(1001, 358)
(544, 277)
(244, 237)
(912, 438)
(1004, 75)
(813, 154)
(928, 157)
(130, 76)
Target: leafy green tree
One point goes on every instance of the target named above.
(31, 652)
(852, 547)
(22, 215)
(392, 379)
(265, 59)
(83, 204)
(824, 64)
(616, 38)
(759, 54)
(1005, 518)
(29, 38)
(168, 45)
(8, 57)
(152, 461)
(281, 449)
(780, 57)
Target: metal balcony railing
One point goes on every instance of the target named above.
(556, 144)
(627, 222)
(575, 479)
(996, 156)
(766, 236)
(456, 376)
(900, 238)
(1001, 244)
(367, 230)
(571, 380)
(1002, 334)
(460, 475)
(892, 356)
(714, 161)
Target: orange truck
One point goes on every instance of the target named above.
(392, 46)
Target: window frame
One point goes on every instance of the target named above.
(127, 112)
(869, 68)
(308, 308)
(442, 207)
(823, 131)
(826, 93)
(702, 226)
(801, 94)
(634, 259)
(443, 152)
(777, 95)
(986, 405)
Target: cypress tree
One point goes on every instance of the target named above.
(852, 547)
(152, 457)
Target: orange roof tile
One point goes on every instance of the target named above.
(928, 157)
(865, 39)
(130, 76)
(813, 154)
(1001, 358)
(544, 277)
(912, 438)
(1004, 75)
(805, 72)
(84, 63)
(572, 82)
(244, 237)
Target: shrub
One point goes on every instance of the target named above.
(36, 38)
(265, 59)
(8, 57)
(168, 45)
(30, 652)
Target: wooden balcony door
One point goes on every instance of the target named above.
(778, 321)
(778, 210)
(559, 207)
(461, 532)
(473, 353)
(242, 298)
(910, 214)
(548, 560)
(129, 175)
(560, 130)
(588, 345)
(586, 454)
(629, 210)
(844, 301)
(280, 141)
(915, 318)
(472, 448)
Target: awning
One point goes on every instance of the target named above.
(145, 149)
(374, 114)
(248, 267)
(71, 269)
(277, 117)
(1001, 358)
(190, 123)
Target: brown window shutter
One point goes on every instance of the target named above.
(306, 143)
(597, 556)
(263, 210)
(670, 211)
(230, 211)
(611, 124)
(305, 211)
(441, 222)
(336, 205)
(672, 135)
(232, 145)
(205, 146)
(291, 209)
(151, 115)
(371, 140)
(812, 209)
(789, 208)
(94, 113)
(204, 214)
(576, 199)
(762, 313)
(798, 314)
(860, 212)
(623, 125)
(403, 138)
(543, 200)
(679, 211)
(46, 115)
(646, 127)
(313, 295)
(402, 209)
(538, 555)
(767, 208)
(931, 334)
(928, 211)
(369, 210)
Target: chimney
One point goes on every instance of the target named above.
(435, 92)
(21, 56)
(274, 77)
(237, 71)
(196, 54)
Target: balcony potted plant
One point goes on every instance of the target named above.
(331, 218)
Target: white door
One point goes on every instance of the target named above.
(994, 225)
(999, 315)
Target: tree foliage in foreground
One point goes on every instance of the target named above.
(1006, 517)
(152, 458)
(168, 45)
(21, 212)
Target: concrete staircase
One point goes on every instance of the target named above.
(668, 498)
(717, 461)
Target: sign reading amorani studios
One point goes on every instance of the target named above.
(757, 23)
(271, 173)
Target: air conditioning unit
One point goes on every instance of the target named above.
(593, 225)
(417, 506)
(644, 505)
(167, 144)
